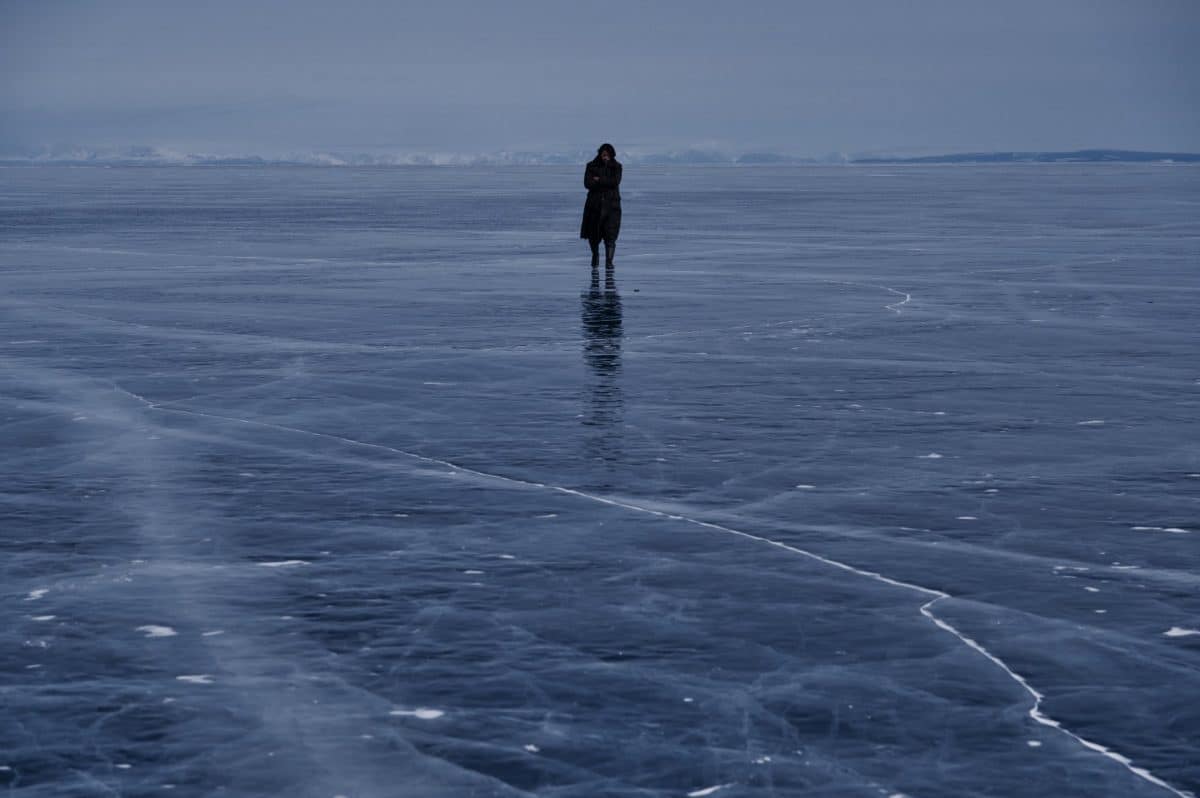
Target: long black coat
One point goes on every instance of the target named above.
(602, 211)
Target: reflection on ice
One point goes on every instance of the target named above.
(602, 333)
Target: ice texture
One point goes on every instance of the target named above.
(852, 481)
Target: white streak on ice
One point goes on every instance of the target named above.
(926, 610)
(195, 678)
(420, 712)
(894, 307)
(707, 790)
(283, 563)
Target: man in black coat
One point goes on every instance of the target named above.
(602, 211)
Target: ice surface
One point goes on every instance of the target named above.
(356, 482)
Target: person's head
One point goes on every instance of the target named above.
(606, 152)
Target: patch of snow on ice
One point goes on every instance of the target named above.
(1179, 631)
(157, 631)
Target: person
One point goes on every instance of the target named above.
(602, 211)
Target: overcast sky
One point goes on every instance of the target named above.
(804, 77)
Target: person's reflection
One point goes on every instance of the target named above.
(601, 312)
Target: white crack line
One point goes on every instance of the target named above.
(1035, 712)
(894, 307)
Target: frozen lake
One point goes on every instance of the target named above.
(855, 482)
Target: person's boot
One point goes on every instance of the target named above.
(595, 253)
(610, 249)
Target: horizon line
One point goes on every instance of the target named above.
(142, 155)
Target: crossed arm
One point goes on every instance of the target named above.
(594, 179)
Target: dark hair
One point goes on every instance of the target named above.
(612, 153)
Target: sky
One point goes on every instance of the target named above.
(799, 77)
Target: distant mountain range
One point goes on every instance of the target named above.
(1075, 156)
(151, 156)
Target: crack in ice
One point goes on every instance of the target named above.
(926, 609)
(894, 307)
